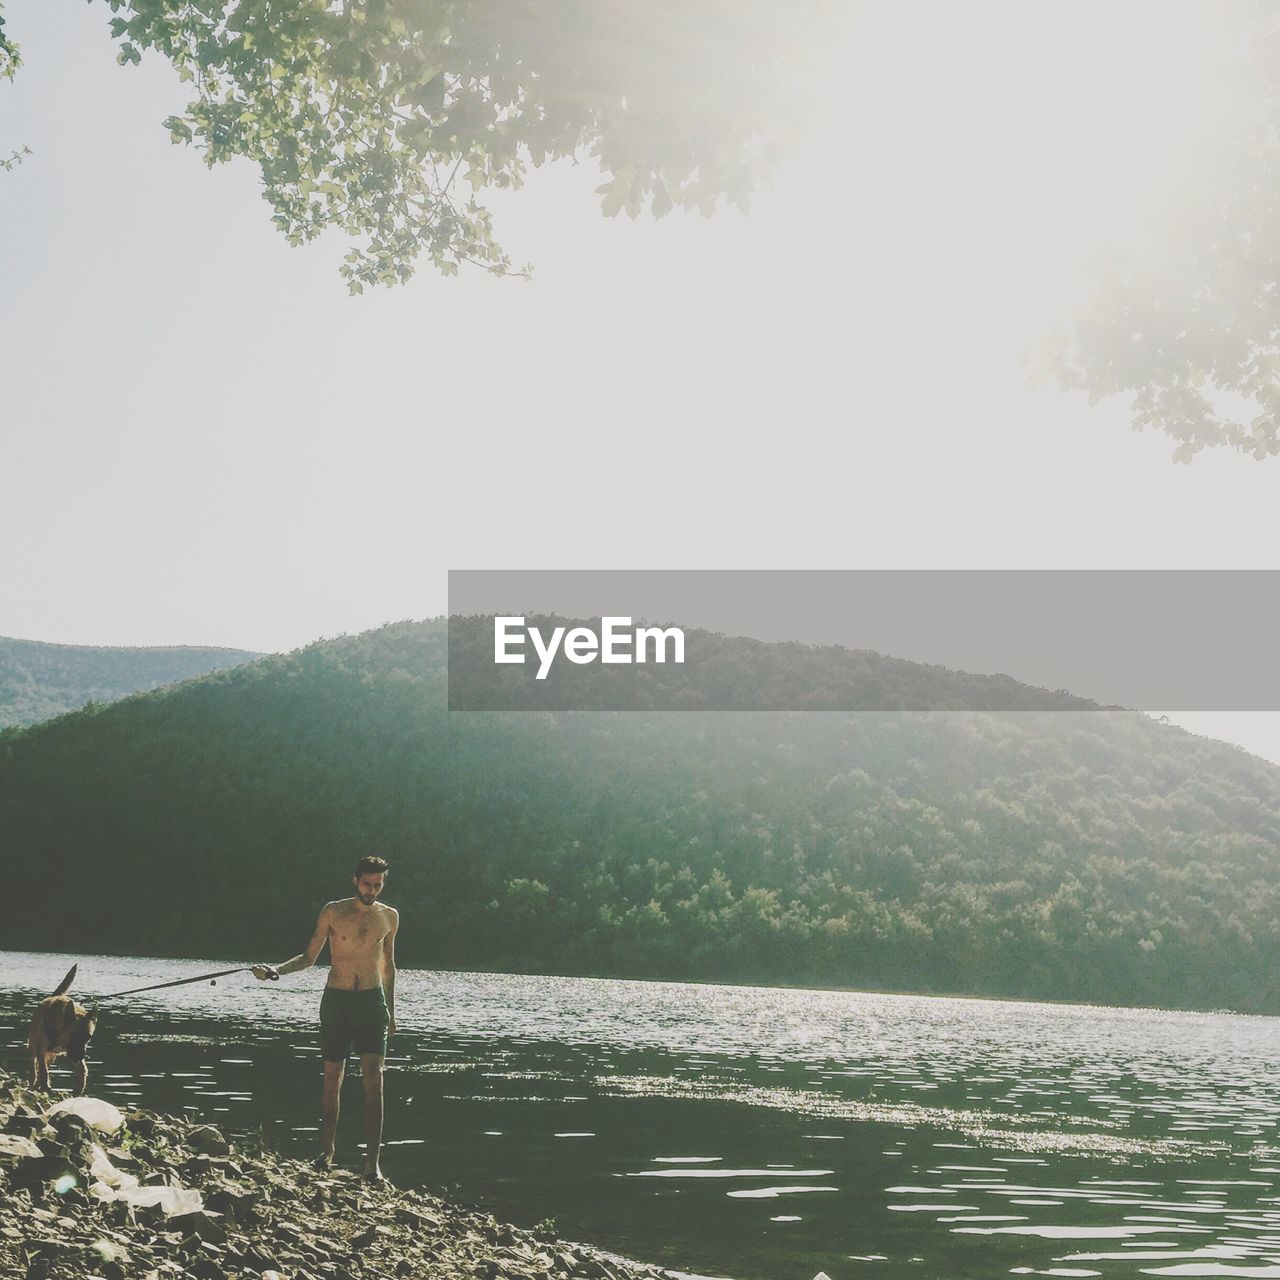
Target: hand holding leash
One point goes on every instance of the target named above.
(265, 972)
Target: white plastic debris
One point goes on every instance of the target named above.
(93, 1111)
(11, 1144)
(114, 1184)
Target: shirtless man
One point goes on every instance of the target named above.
(358, 1007)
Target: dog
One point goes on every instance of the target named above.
(59, 1026)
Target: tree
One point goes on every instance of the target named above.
(10, 61)
(387, 118)
(1190, 328)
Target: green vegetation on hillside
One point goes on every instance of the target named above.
(40, 680)
(1089, 855)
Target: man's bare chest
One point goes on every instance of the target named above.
(357, 934)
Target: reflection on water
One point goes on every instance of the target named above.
(749, 1132)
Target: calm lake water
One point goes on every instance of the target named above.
(750, 1133)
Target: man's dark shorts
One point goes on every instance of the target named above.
(353, 1021)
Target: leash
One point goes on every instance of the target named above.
(182, 982)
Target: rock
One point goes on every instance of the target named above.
(259, 1260)
(13, 1145)
(416, 1217)
(72, 1129)
(202, 1224)
(59, 1257)
(206, 1269)
(36, 1172)
(203, 1166)
(148, 1215)
(208, 1141)
(234, 1201)
(123, 1216)
(367, 1237)
(333, 1271)
(27, 1101)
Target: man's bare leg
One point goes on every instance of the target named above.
(371, 1068)
(333, 1073)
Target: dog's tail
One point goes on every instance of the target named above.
(67, 981)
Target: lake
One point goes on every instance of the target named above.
(746, 1132)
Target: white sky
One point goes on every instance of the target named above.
(204, 440)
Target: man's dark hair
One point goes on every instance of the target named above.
(371, 867)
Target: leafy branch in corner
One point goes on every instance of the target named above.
(1188, 326)
(388, 119)
(10, 61)
(10, 57)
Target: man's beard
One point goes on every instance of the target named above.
(367, 898)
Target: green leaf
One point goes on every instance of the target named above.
(371, 104)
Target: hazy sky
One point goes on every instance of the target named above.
(204, 440)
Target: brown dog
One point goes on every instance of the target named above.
(60, 1025)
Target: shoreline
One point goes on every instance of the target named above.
(742, 984)
(137, 1195)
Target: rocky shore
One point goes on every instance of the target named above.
(88, 1191)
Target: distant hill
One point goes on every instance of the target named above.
(40, 680)
(1088, 855)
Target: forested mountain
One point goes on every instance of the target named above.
(1091, 855)
(40, 680)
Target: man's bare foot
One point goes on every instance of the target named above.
(323, 1161)
(375, 1175)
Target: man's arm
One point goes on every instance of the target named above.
(303, 961)
(389, 969)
